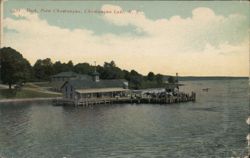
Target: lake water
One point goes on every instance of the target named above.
(213, 126)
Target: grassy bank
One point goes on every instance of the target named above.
(43, 84)
(24, 93)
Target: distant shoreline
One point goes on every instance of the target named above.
(184, 78)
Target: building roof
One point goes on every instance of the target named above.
(66, 74)
(100, 90)
(71, 74)
(89, 84)
(84, 77)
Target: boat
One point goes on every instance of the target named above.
(205, 89)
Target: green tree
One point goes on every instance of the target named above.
(135, 79)
(111, 71)
(61, 67)
(151, 76)
(43, 69)
(111, 64)
(14, 68)
(83, 68)
(159, 78)
(70, 66)
(126, 75)
(58, 67)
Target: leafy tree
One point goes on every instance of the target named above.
(43, 69)
(159, 78)
(135, 79)
(61, 67)
(110, 71)
(111, 64)
(151, 76)
(83, 68)
(126, 75)
(70, 66)
(58, 67)
(14, 68)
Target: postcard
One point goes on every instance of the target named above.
(127, 79)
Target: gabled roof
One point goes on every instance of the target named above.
(88, 84)
(66, 74)
(72, 74)
(84, 77)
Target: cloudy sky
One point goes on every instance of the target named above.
(192, 38)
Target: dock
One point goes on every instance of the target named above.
(167, 99)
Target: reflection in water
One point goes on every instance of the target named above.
(213, 125)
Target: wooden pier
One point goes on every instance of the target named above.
(182, 97)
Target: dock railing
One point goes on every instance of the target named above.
(167, 99)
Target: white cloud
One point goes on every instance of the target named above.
(196, 31)
(170, 45)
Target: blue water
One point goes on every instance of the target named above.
(213, 126)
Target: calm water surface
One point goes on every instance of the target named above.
(213, 126)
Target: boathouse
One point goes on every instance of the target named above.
(96, 91)
(82, 89)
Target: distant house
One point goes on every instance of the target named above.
(59, 79)
(65, 76)
(95, 88)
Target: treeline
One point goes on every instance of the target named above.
(15, 69)
(43, 69)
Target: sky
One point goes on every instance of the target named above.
(195, 38)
